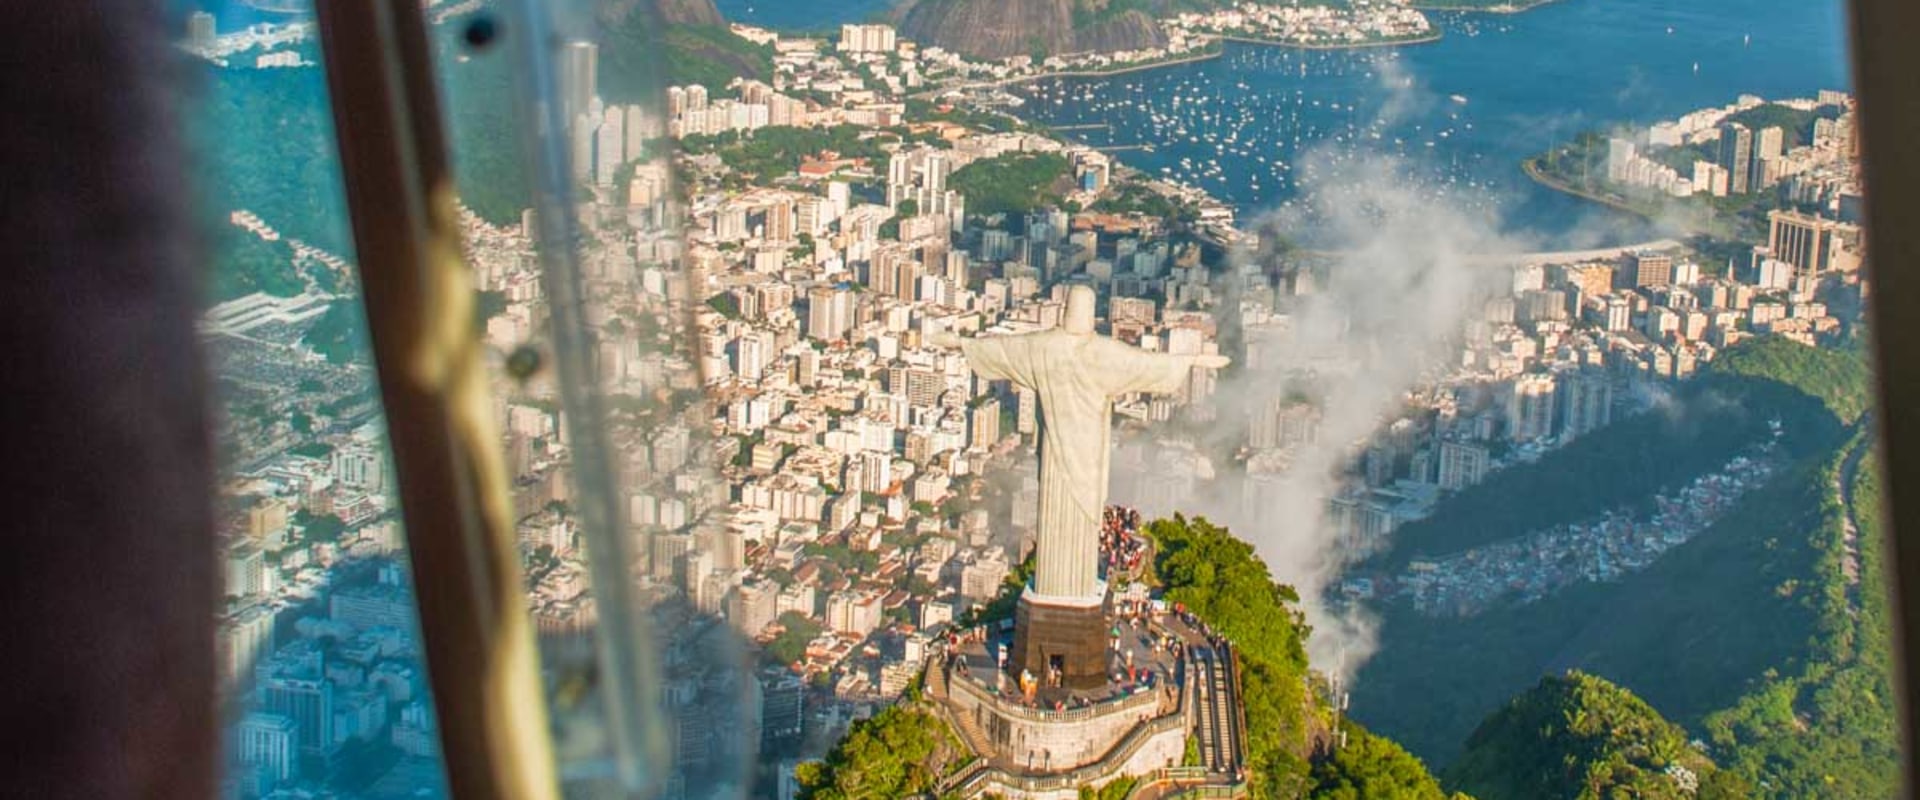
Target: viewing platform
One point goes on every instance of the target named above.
(1168, 682)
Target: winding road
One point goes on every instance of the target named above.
(1843, 480)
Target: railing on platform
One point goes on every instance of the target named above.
(961, 782)
(1187, 782)
(1141, 698)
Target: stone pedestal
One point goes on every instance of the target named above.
(1069, 636)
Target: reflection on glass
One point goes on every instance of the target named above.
(325, 687)
(1543, 358)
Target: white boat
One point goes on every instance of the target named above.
(1457, 98)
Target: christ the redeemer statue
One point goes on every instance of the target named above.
(1077, 375)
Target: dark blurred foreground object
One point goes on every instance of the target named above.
(1887, 76)
(107, 588)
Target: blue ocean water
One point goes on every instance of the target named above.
(1258, 123)
(233, 15)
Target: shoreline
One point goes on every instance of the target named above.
(1427, 38)
(1529, 166)
(1104, 73)
(1436, 35)
(1506, 8)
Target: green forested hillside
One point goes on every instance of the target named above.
(1373, 767)
(1010, 183)
(263, 140)
(1578, 736)
(1838, 377)
(1290, 745)
(264, 143)
(1221, 580)
(1826, 728)
(900, 752)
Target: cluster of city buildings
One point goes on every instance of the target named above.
(282, 45)
(1324, 25)
(860, 79)
(1818, 167)
(317, 638)
(1561, 356)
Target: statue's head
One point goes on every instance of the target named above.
(1079, 319)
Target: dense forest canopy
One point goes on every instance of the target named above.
(1578, 736)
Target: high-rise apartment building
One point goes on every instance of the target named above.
(202, 30)
(579, 72)
(867, 39)
(1462, 464)
(270, 743)
(1530, 408)
(983, 423)
(246, 570)
(1803, 240)
(1650, 269)
(1736, 156)
(753, 606)
(1768, 145)
(1586, 402)
(829, 313)
(307, 699)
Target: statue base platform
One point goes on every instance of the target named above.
(1064, 639)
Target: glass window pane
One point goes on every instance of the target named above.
(326, 692)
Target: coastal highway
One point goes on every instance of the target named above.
(1545, 257)
(1576, 256)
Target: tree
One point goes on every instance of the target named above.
(895, 753)
(320, 528)
(487, 304)
(1579, 736)
(337, 333)
(791, 644)
(1009, 183)
(312, 449)
(1372, 767)
(725, 303)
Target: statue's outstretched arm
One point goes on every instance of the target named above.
(1130, 369)
(1000, 358)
